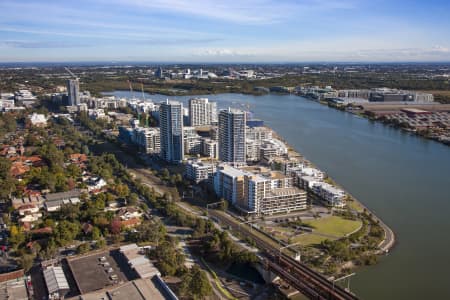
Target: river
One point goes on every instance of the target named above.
(402, 178)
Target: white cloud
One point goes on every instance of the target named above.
(440, 49)
(251, 12)
(220, 52)
(295, 52)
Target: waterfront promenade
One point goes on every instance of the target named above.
(389, 236)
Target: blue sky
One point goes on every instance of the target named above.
(224, 31)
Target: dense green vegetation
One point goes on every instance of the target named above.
(97, 80)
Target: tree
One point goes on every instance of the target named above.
(69, 211)
(26, 262)
(7, 183)
(96, 233)
(17, 236)
(85, 149)
(100, 201)
(149, 232)
(6, 218)
(199, 227)
(165, 174)
(7, 123)
(65, 232)
(71, 184)
(122, 190)
(195, 284)
(53, 157)
(170, 260)
(50, 249)
(83, 248)
(73, 170)
(133, 199)
(101, 243)
(36, 247)
(115, 226)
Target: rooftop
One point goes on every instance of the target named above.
(233, 172)
(90, 275)
(286, 191)
(139, 289)
(63, 195)
(55, 279)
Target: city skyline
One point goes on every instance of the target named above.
(224, 31)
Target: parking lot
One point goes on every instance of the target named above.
(100, 270)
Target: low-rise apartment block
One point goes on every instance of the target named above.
(257, 193)
(198, 171)
(332, 195)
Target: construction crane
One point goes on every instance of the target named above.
(71, 73)
(142, 88)
(131, 88)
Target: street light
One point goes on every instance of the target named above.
(246, 222)
(285, 247)
(344, 277)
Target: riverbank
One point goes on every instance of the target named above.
(389, 236)
(403, 179)
(435, 131)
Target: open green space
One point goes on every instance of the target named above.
(334, 225)
(355, 205)
(308, 239)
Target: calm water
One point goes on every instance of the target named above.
(404, 179)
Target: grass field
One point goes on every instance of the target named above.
(309, 239)
(335, 226)
(355, 205)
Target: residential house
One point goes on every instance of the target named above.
(131, 223)
(127, 213)
(54, 201)
(38, 120)
(36, 200)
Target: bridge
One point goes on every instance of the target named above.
(298, 275)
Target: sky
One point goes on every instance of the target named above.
(211, 31)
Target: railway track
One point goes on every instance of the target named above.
(298, 275)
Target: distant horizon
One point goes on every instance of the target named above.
(199, 63)
(227, 31)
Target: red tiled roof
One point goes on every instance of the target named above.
(28, 192)
(78, 157)
(34, 158)
(27, 206)
(18, 169)
(47, 229)
(131, 222)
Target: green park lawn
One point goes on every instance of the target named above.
(307, 239)
(355, 205)
(334, 225)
